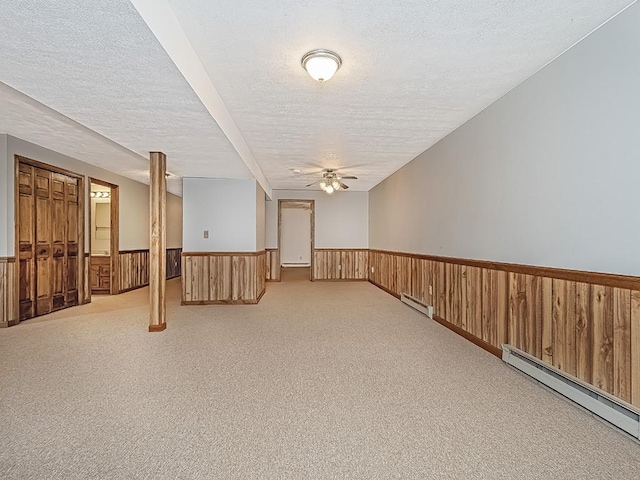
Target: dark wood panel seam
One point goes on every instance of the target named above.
(223, 254)
(342, 280)
(472, 338)
(390, 292)
(220, 302)
(341, 250)
(606, 279)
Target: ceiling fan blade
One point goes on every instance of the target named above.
(313, 183)
(348, 177)
(343, 186)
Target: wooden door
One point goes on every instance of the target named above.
(26, 241)
(48, 240)
(44, 303)
(72, 246)
(58, 241)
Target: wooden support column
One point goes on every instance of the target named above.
(157, 251)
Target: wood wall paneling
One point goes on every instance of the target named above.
(223, 278)
(635, 348)
(602, 315)
(622, 344)
(174, 262)
(8, 304)
(272, 271)
(587, 330)
(339, 264)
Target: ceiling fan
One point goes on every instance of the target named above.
(332, 181)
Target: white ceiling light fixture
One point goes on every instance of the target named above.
(321, 64)
(100, 194)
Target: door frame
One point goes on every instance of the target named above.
(294, 203)
(114, 235)
(84, 291)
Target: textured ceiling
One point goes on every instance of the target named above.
(97, 63)
(413, 71)
(25, 118)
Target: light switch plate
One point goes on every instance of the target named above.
(206, 234)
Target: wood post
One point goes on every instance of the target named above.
(157, 250)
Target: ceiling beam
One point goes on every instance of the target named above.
(163, 23)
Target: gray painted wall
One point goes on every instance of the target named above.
(548, 175)
(224, 207)
(134, 198)
(5, 173)
(341, 219)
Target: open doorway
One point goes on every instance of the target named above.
(295, 238)
(104, 238)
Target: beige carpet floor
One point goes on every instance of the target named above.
(320, 380)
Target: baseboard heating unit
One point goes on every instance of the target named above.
(417, 304)
(616, 412)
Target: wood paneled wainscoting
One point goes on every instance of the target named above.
(340, 264)
(223, 277)
(134, 267)
(8, 297)
(585, 324)
(272, 269)
(174, 262)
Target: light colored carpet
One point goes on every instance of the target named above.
(295, 274)
(320, 380)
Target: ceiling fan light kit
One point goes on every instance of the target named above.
(332, 182)
(321, 64)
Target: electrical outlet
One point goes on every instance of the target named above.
(430, 290)
(373, 269)
(339, 267)
(206, 234)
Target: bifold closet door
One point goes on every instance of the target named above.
(48, 206)
(72, 241)
(44, 240)
(58, 241)
(26, 241)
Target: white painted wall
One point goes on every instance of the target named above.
(5, 173)
(134, 198)
(548, 175)
(295, 228)
(341, 219)
(260, 218)
(174, 220)
(224, 207)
